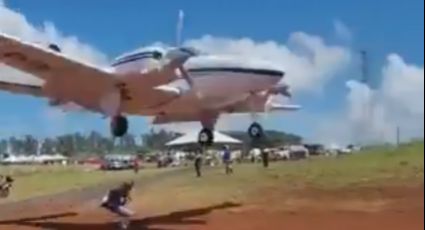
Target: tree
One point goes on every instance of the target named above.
(30, 145)
(65, 145)
(128, 143)
(157, 140)
(49, 146)
(3, 146)
(16, 146)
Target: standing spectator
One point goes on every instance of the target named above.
(136, 165)
(265, 157)
(198, 163)
(227, 159)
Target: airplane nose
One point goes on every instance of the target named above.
(282, 73)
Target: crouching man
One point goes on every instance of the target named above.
(116, 200)
(6, 183)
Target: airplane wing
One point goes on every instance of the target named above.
(258, 104)
(63, 77)
(175, 118)
(15, 88)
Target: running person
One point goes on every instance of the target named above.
(5, 186)
(115, 202)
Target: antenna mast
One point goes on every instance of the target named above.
(367, 100)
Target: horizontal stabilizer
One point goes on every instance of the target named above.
(280, 107)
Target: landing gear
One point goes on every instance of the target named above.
(206, 137)
(119, 126)
(256, 131)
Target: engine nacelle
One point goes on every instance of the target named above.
(55, 102)
(175, 90)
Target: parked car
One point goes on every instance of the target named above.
(116, 165)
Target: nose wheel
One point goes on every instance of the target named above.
(119, 126)
(206, 137)
(256, 131)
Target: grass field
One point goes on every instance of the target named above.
(33, 181)
(374, 167)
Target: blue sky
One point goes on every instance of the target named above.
(381, 27)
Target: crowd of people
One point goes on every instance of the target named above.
(228, 159)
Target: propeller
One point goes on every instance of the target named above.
(272, 94)
(281, 90)
(179, 35)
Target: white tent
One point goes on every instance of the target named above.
(192, 138)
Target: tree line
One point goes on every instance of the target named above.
(96, 143)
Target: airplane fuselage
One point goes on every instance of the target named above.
(217, 81)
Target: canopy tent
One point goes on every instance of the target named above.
(192, 138)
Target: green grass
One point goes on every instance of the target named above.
(374, 167)
(33, 181)
(404, 165)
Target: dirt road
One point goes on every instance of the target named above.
(390, 208)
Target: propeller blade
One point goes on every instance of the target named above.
(180, 24)
(268, 106)
(186, 76)
(282, 90)
(190, 81)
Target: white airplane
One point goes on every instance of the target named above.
(171, 84)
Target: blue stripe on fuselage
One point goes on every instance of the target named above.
(144, 55)
(136, 57)
(267, 72)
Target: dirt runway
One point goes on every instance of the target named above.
(390, 208)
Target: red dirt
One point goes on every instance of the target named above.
(390, 208)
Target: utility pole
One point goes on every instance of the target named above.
(365, 67)
(367, 103)
(398, 135)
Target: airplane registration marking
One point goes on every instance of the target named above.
(124, 92)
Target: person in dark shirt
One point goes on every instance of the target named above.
(198, 163)
(265, 158)
(227, 160)
(115, 201)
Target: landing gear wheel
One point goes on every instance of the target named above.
(119, 126)
(256, 131)
(206, 137)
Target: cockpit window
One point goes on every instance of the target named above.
(157, 55)
(138, 56)
(190, 51)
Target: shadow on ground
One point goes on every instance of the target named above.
(188, 217)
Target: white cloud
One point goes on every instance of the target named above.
(342, 31)
(16, 24)
(373, 116)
